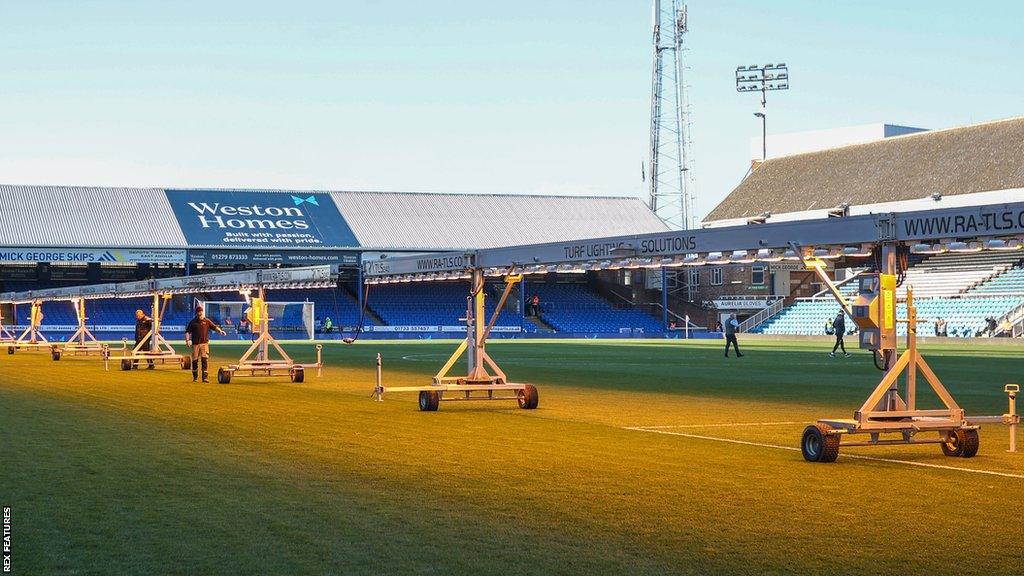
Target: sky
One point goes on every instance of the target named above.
(540, 97)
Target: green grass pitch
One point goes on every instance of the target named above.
(625, 468)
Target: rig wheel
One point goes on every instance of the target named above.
(55, 354)
(819, 444)
(223, 376)
(528, 397)
(971, 443)
(126, 365)
(429, 400)
(10, 349)
(954, 443)
(297, 375)
(186, 363)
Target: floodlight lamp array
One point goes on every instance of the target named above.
(970, 247)
(755, 78)
(632, 263)
(422, 277)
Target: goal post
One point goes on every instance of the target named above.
(288, 320)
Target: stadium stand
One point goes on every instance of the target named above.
(951, 274)
(1011, 281)
(965, 316)
(575, 308)
(566, 307)
(370, 224)
(963, 289)
(429, 304)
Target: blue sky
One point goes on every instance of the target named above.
(531, 97)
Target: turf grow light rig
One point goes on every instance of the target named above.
(161, 291)
(258, 360)
(5, 334)
(153, 348)
(82, 342)
(484, 379)
(846, 236)
(32, 338)
(886, 411)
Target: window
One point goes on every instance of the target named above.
(694, 277)
(716, 276)
(627, 277)
(757, 275)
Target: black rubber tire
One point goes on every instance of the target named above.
(10, 349)
(186, 363)
(223, 376)
(528, 397)
(971, 443)
(55, 354)
(819, 444)
(298, 375)
(429, 400)
(953, 446)
(126, 365)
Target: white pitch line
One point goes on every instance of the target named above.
(857, 456)
(728, 425)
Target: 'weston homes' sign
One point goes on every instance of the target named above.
(226, 218)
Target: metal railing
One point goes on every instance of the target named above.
(827, 294)
(685, 322)
(774, 308)
(1016, 319)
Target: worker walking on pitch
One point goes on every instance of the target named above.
(731, 326)
(143, 326)
(197, 336)
(839, 324)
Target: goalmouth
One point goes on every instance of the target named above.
(288, 320)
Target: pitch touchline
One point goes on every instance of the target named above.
(795, 449)
(729, 425)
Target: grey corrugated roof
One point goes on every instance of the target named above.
(85, 216)
(81, 216)
(393, 220)
(965, 160)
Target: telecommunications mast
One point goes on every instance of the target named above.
(671, 182)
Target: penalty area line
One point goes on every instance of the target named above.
(841, 455)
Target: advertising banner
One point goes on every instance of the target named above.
(259, 219)
(434, 328)
(300, 257)
(740, 303)
(87, 255)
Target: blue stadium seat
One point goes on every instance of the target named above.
(574, 307)
(965, 316)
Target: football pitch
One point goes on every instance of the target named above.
(643, 457)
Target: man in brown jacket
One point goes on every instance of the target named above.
(197, 336)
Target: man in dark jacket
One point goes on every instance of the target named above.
(197, 336)
(143, 326)
(731, 325)
(839, 324)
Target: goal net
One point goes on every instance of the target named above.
(288, 320)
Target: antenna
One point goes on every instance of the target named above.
(671, 180)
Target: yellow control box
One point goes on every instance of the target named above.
(874, 311)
